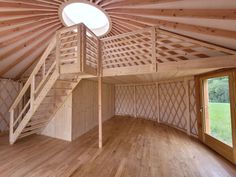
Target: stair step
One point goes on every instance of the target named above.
(37, 121)
(33, 127)
(57, 88)
(66, 81)
(29, 133)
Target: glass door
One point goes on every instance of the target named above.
(217, 110)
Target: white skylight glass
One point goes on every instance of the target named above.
(95, 19)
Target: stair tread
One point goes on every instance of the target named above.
(22, 135)
(33, 127)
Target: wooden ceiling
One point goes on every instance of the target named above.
(26, 26)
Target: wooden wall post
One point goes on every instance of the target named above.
(187, 112)
(157, 104)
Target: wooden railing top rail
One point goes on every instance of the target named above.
(34, 72)
(127, 34)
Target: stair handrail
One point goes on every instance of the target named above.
(34, 72)
(31, 82)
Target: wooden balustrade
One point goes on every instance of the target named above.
(72, 50)
(77, 50)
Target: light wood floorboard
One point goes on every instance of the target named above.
(132, 148)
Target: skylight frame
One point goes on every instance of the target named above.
(61, 8)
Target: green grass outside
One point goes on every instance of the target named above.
(220, 121)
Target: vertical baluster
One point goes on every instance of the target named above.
(44, 69)
(11, 137)
(32, 91)
(58, 43)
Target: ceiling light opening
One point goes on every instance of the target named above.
(83, 12)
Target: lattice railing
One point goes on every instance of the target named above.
(142, 51)
(130, 50)
(174, 48)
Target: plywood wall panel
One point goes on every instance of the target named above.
(61, 124)
(8, 92)
(85, 106)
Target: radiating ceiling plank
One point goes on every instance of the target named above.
(33, 47)
(28, 26)
(180, 26)
(8, 4)
(122, 3)
(34, 2)
(4, 23)
(226, 14)
(34, 29)
(29, 41)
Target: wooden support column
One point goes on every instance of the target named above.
(99, 95)
(100, 112)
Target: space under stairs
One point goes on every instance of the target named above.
(70, 56)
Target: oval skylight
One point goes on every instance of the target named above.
(94, 18)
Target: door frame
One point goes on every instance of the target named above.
(225, 150)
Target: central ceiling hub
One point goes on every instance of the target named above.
(75, 12)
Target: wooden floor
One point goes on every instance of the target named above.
(132, 148)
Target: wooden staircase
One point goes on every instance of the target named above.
(61, 67)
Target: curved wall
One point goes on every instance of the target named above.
(169, 102)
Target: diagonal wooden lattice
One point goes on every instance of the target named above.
(145, 101)
(173, 48)
(142, 51)
(140, 100)
(172, 104)
(8, 92)
(192, 108)
(124, 102)
(131, 49)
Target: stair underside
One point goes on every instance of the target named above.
(54, 99)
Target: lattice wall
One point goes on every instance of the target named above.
(192, 108)
(172, 103)
(145, 99)
(8, 92)
(124, 100)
